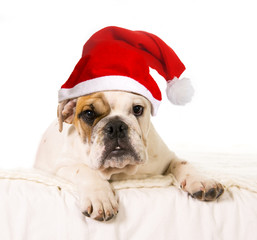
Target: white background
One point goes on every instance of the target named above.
(41, 41)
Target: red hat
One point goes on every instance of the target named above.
(119, 59)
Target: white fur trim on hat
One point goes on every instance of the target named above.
(179, 91)
(106, 83)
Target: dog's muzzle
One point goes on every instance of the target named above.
(118, 149)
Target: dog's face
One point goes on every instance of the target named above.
(113, 127)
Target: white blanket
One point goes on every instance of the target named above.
(35, 206)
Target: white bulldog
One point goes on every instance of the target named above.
(108, 136)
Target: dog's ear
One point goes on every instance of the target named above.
(66, 111)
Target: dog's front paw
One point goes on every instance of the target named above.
(201, 188)
(99, 203)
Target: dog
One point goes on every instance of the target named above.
(108, 136)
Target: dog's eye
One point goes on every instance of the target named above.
(88, 116)
(138, 110)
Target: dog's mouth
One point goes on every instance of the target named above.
(119, 155)
(117, 152)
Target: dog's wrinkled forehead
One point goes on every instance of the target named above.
(110, 103)
(122, 102)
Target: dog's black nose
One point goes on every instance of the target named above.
(116, 129)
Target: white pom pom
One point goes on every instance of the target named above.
(179, 91)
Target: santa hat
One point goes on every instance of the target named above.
(119, 59)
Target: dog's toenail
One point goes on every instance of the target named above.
(198, 195)
(86, 214)
(211, 194)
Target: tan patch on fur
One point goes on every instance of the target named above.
(100, 106)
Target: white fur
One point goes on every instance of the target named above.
(66, 155)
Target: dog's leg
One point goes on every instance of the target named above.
(97, 198)
(189, 179)
(193, 182)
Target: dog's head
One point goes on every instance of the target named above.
(113, 127)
